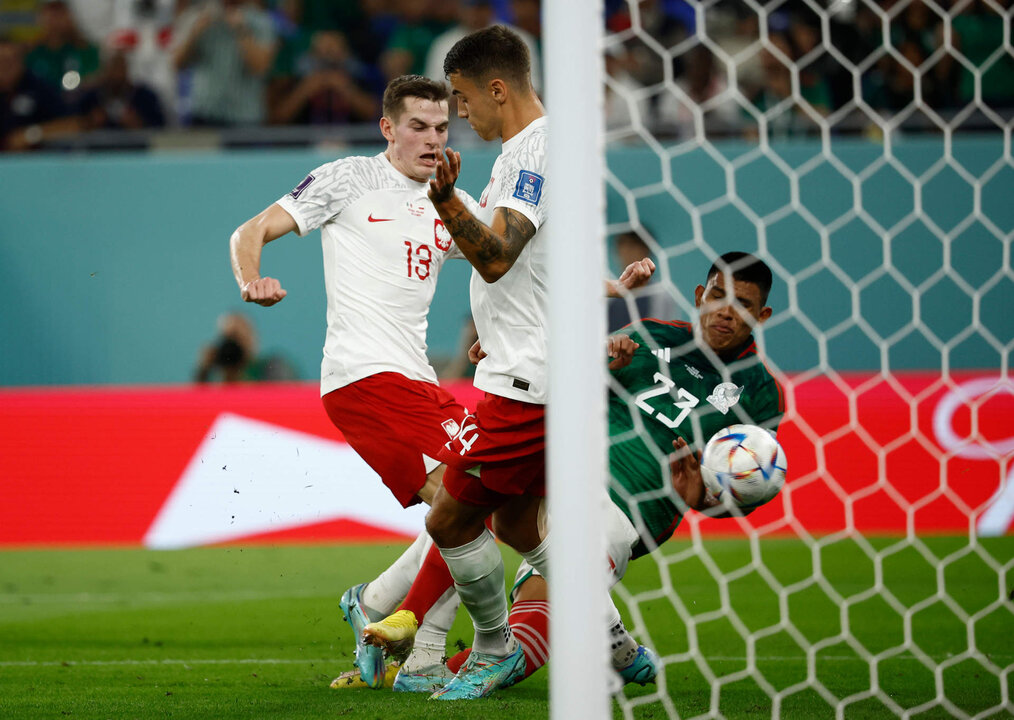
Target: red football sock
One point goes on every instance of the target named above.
(529, 621)
(432, 581)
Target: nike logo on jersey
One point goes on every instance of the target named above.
(373, 219)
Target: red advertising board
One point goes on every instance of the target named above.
(173, 467)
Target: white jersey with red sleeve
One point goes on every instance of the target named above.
(510, 314)
(384, 245)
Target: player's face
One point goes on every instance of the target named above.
(416, 138)
(727, 319)
(478, 105)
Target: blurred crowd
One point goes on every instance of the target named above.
(72, 66)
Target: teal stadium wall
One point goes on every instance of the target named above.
(115, 267)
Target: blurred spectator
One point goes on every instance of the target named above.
(366, 24)
(701, 81)
(650, 301)
(115, 102)
(314, 15)
(777, 87)
(31, 109)
(821, 68)
(94, 18)
(330, 86)
(143, 29)
(62, 57)
(410, 42)
(735, 29)
(666, 22)
(978, 33)
(620, 93)
(475, 15)
(527, 15)
(233, 356)
(229, 45)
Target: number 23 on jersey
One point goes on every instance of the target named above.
(685, 403)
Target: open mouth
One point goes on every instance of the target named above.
(428, 158)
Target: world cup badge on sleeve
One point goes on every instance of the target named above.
(529, 187)
(298, 190)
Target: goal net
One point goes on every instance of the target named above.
(863, 150)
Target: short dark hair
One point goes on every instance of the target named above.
(407, 86)
(745, 268)
(496, 51)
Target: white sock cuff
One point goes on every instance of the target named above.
(538, 558)
(612, 613)
(474, 560)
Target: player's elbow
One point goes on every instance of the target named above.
(252, 232)
(493, 271)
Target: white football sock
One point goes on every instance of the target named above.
(622, 646)
(431, 641)
(382, 596)
(538, 558)
(477, 569)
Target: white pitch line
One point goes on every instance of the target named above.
(156, 597)
(315, 661)
(168, 661)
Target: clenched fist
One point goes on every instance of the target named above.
(264, 291)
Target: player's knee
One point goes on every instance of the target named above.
(440, 527)
(507, 531)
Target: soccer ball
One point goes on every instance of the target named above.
(743, 466)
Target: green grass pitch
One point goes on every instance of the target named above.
(255, 632)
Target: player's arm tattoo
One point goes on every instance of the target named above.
(488, 246)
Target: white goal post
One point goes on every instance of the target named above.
(576, 426)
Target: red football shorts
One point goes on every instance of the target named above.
(391, 422)
(508, 438)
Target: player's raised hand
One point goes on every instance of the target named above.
(264, 291)
(685, 472)
(636, 274)
(442, 184)
(476, 353)
(621, 349)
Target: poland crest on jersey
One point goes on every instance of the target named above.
(724, 396)
(441, 236)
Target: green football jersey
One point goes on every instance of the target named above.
(671, 388)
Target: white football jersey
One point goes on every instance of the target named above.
(384, 245)
(510, 314)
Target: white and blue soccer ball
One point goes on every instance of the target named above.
(743, 466)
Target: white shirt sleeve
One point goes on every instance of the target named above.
(321, 195)
(524, 182)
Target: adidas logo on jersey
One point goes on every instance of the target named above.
(662, 354)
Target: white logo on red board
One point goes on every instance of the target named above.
(441, 236)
